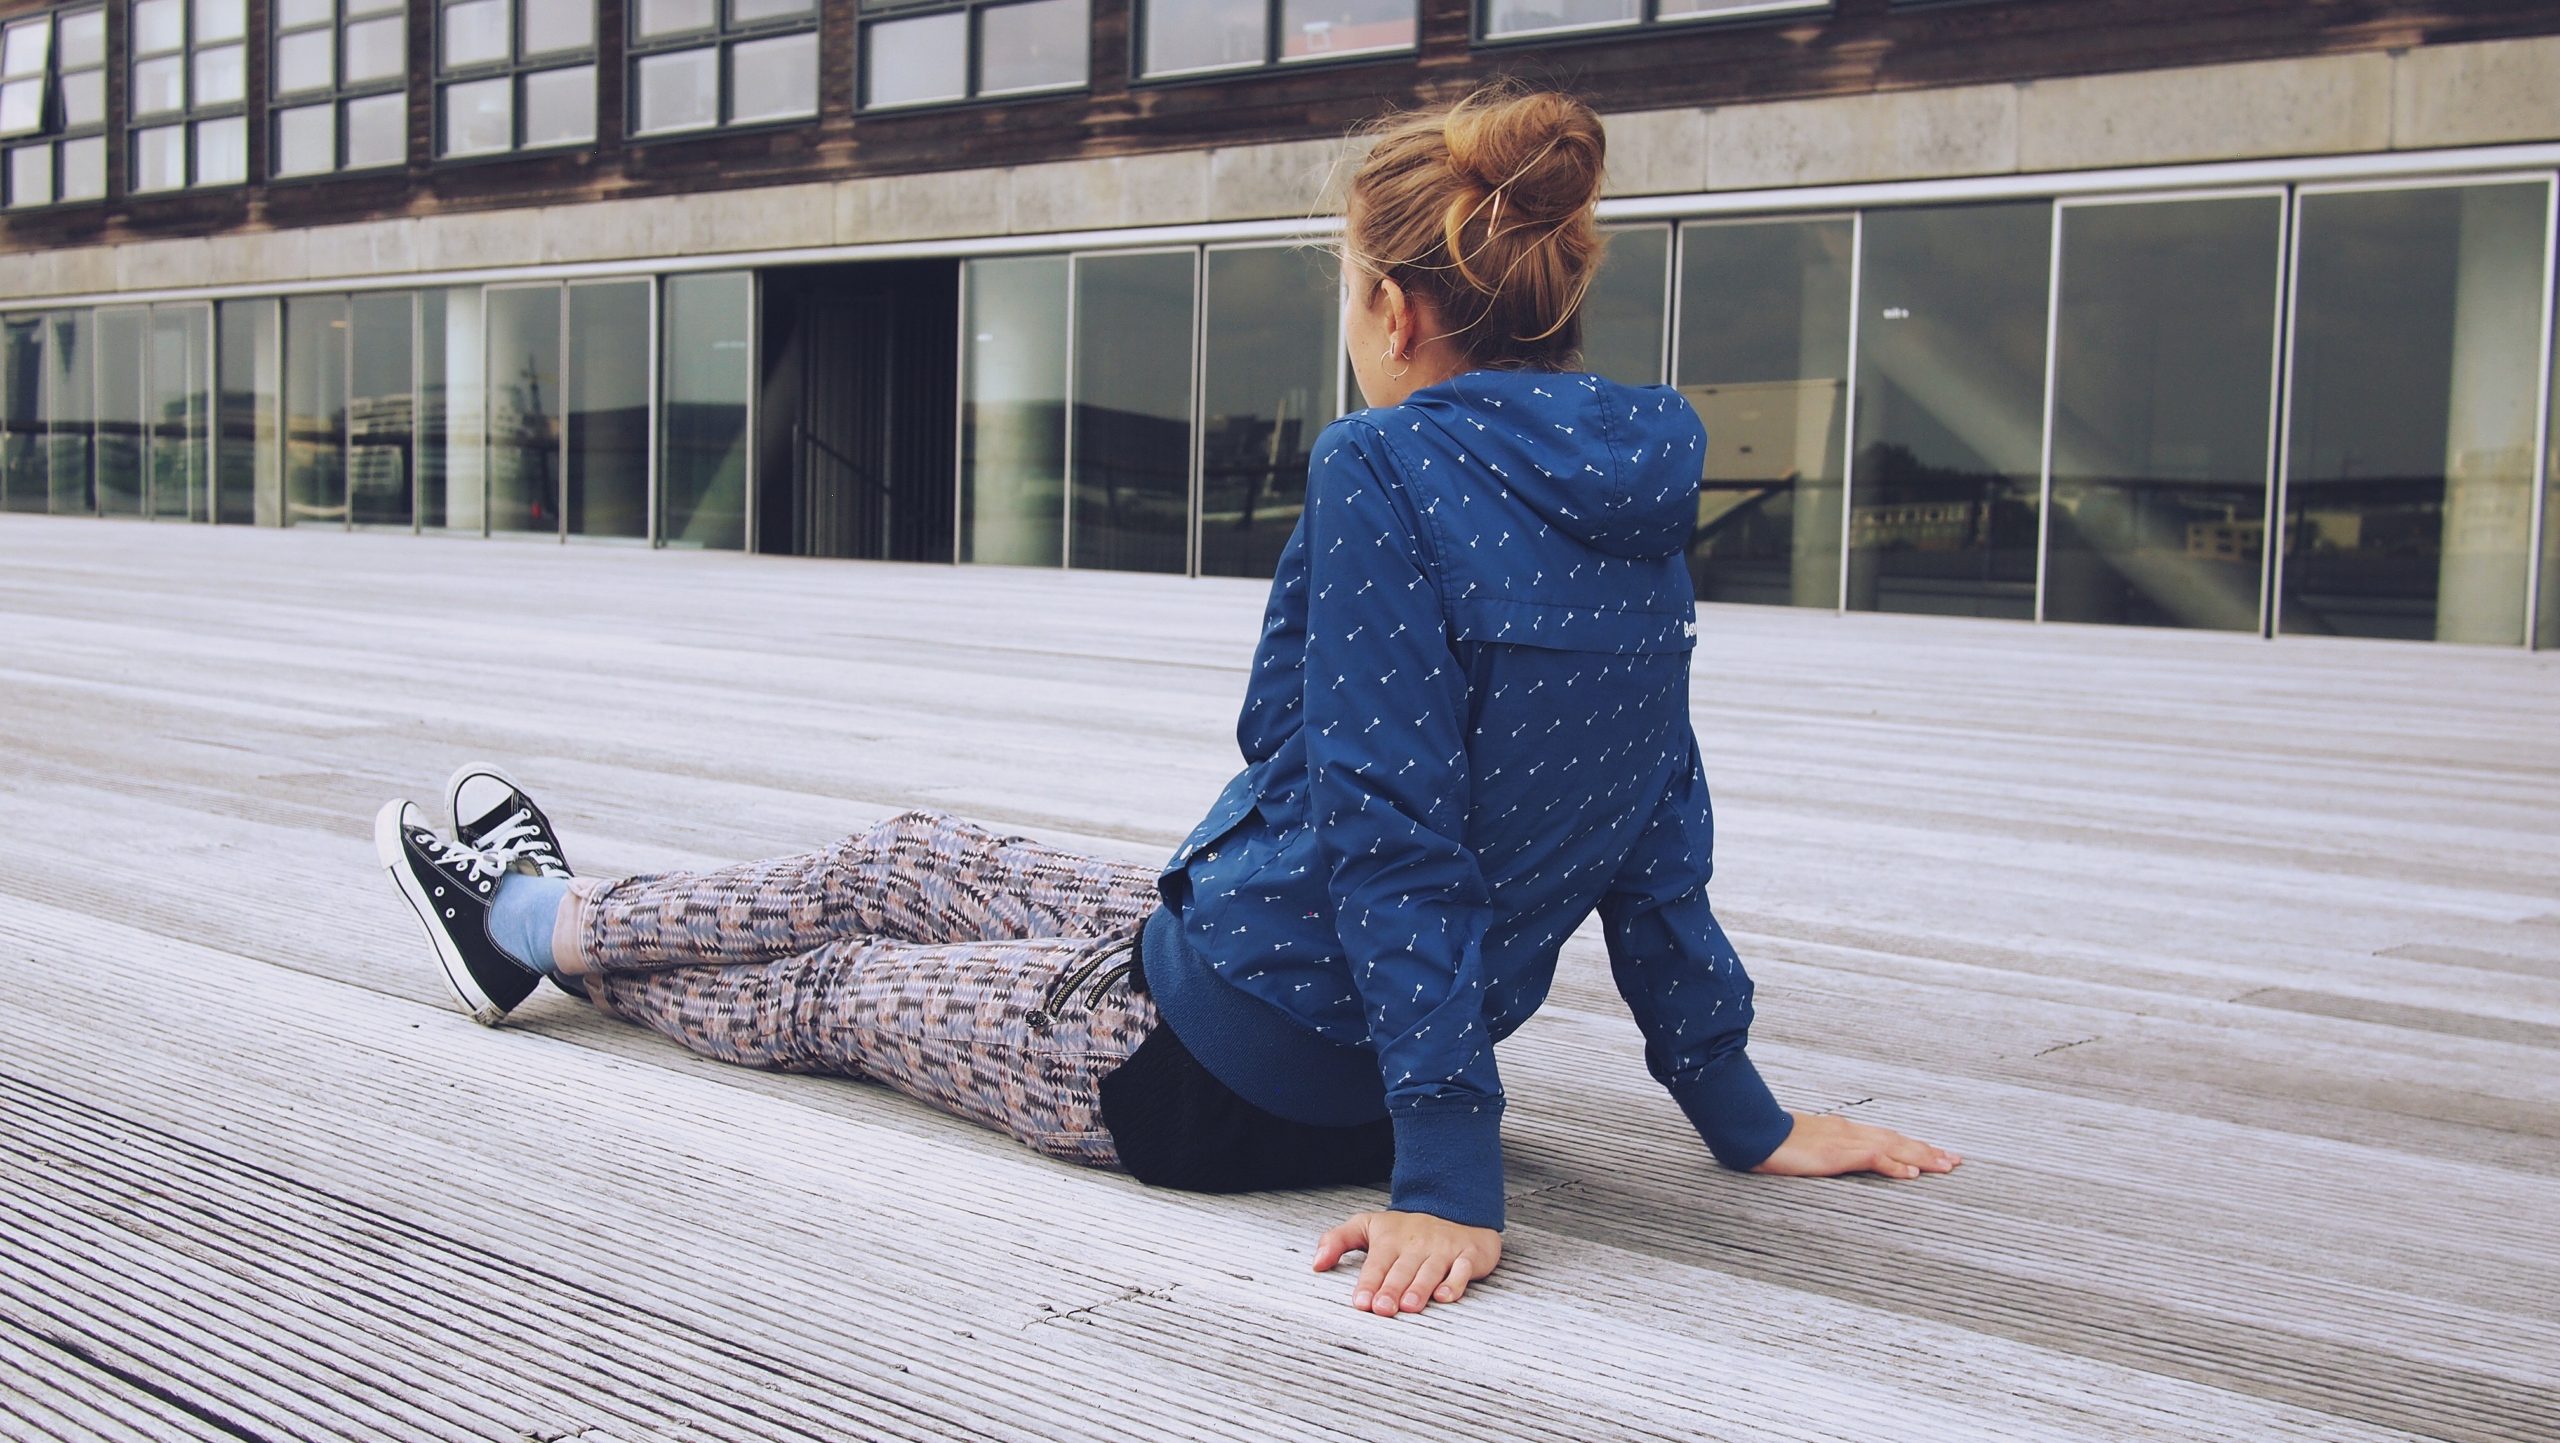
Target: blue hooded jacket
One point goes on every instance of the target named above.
(1466, 727)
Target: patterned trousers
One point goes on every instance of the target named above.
(985, 974)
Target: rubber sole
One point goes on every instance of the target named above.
(393, 851)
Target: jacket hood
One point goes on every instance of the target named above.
(1615, 467)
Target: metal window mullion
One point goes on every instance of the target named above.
(649, 453)
(1067, 429)
(417, 408)
(960, 418)
(1199, 410)
(755, 408)
(347, 414)
(2278, 411)
(2538, 504)
(567, 408)
(1849, 396)
(2044, 462)
(2278, 525)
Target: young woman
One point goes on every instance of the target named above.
(1466, 728)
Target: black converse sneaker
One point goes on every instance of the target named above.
(493, 815)
(450, 886)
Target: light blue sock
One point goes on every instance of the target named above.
(521, 915)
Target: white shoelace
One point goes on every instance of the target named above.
(476, 863)
(515, 837)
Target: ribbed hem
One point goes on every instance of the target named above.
(570, 952)
(1733, 1111)
(1262, 1054)
(1449, 1163)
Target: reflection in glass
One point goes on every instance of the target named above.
(381, 410)
(1950, 421)
(376, 49)
(1312, 29)
(222, 76)
(178, 390)
(119, 410)
(1628, 305)
(160, 158)
(524, 408)
(71, 412)
(306, 60)
(1267, 387)
(1692, 9)
(551, 26)
(703, 470)
(914, 62)
(475, 32)
(679, 91)
(2417, 342)
(377, 131)
(1013, 426)
(1524, 17)
(676, 17)
(84, 168)
(306, 140)
(222, 150)
(1763, 354)
(452, 467)
(2163, 417)
(609, 409)
(1033, 46)
(22, 449)
(560, 106)
(480, 117)
(1204, 34)
(1131, 428)
(248, 453)
(773, 79)
(315, 409)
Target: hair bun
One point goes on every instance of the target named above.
(1539, 150)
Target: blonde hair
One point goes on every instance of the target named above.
(1485, 208)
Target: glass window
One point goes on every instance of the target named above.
(1130, 485)
(190, 70)
(121, 340)
(351, 56)
(1013, 426)
(452, 464)
(1945, 490)
(515, 75)
(23, 486)
(918, 60)
(1506, 18)
(2409, 464)
(1188, 35)
(774, 79)
(315, 409)
(177, 400)
(2163, 421)
(1269, 380)
(1316, 29)
(248, 455)
(1763, 354)
(656, 19)
(1628, 306)
(767, 49)
(917, 54)
(523, 410)
(608, 409)
(70, 408)
(707, 375)
(381, 408)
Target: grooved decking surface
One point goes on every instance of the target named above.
(2232, 967)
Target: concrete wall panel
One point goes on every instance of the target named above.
(1908, 135)
(2488, 94)
(921, 207)
(2318, 106)
(1657, 152)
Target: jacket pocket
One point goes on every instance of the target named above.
(1512, 622)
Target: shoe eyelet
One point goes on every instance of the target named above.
(439, 891)
(484, 886)
(448, 911)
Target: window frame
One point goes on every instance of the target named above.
(514, 69)
(870, 14)
(1142, 15)
(190, 116)
(52, 130)
(721, 39)
(337, 94)
(1649, 19)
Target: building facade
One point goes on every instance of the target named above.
(2191, 313)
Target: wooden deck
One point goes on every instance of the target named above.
(2232, 967)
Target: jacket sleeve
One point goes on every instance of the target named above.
(1681, 978)
(1387, 761)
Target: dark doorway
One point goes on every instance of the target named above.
(855, 443)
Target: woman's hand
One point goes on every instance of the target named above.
(1826, 1145)
(1415, 1259)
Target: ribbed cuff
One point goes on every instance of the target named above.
(1731, 1108)
(1449, 1163)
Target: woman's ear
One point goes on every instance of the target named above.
(1396, 311)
